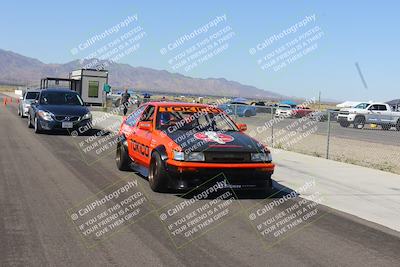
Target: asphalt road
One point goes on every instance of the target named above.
(42, 176)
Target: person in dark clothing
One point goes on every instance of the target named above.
(125, 100)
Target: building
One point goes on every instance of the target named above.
(89, 84)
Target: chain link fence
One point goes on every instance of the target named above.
(318, 133)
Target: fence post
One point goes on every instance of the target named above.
(272, 127)
(328, 134)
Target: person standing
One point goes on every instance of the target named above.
(125, 101)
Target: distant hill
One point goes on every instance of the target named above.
(18, 69)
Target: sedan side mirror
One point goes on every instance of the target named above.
(242, 127)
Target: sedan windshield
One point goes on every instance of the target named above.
(31, 95)
(61, 98)
(188, 118)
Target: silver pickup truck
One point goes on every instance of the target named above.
(370, 113)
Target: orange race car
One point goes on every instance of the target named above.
(181, 145)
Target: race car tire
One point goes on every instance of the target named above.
(37, 127)
(122, 158)
(29, 121)
(247, 113)
(386, 127)
(359, 122)
(344, 124)
(158, 176)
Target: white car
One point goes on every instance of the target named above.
(284, 110)
(25, 102)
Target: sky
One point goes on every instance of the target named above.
(349, 51)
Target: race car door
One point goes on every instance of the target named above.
(129, 128)
(143, 137)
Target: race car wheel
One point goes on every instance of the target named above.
(122, 158)
(29, 121)
(359, 122)
(37, 127)
(344, 124)
(247, 113)
(158, 176)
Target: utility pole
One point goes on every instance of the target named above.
(319, 101)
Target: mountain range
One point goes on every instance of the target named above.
(17, 69)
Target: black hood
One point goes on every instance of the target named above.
(231, 141)
(57, 110)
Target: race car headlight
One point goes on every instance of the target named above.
(87, 116)
(195, 156)
(261, 157)
(178, 155)
(45, 115)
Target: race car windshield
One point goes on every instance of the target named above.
(170, 119)
(61, 98)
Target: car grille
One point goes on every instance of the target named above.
(227, 157)
(67, 118)
(344, 113)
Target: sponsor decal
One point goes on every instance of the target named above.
(190, 109)
(210, 136)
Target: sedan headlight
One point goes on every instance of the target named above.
(195, 156)
(45, 115)
(261, 157)
(87, 116)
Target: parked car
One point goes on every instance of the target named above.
(25, 102)
(261, 107)
(374, 113)
(180, 146)
(59, 109)
(300, 112)
(240, 109)
(284, 110)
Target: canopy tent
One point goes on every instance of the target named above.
(239, 100)
(289, 102)
(350, 104)
(395, 102)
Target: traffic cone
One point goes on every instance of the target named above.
(5, 101)
(10, 99)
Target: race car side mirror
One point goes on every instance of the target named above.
(242, 127)
(145, 125)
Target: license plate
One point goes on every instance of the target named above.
(67, 124)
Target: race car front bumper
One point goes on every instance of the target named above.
(246, 176)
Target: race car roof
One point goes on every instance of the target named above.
(177, 104)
